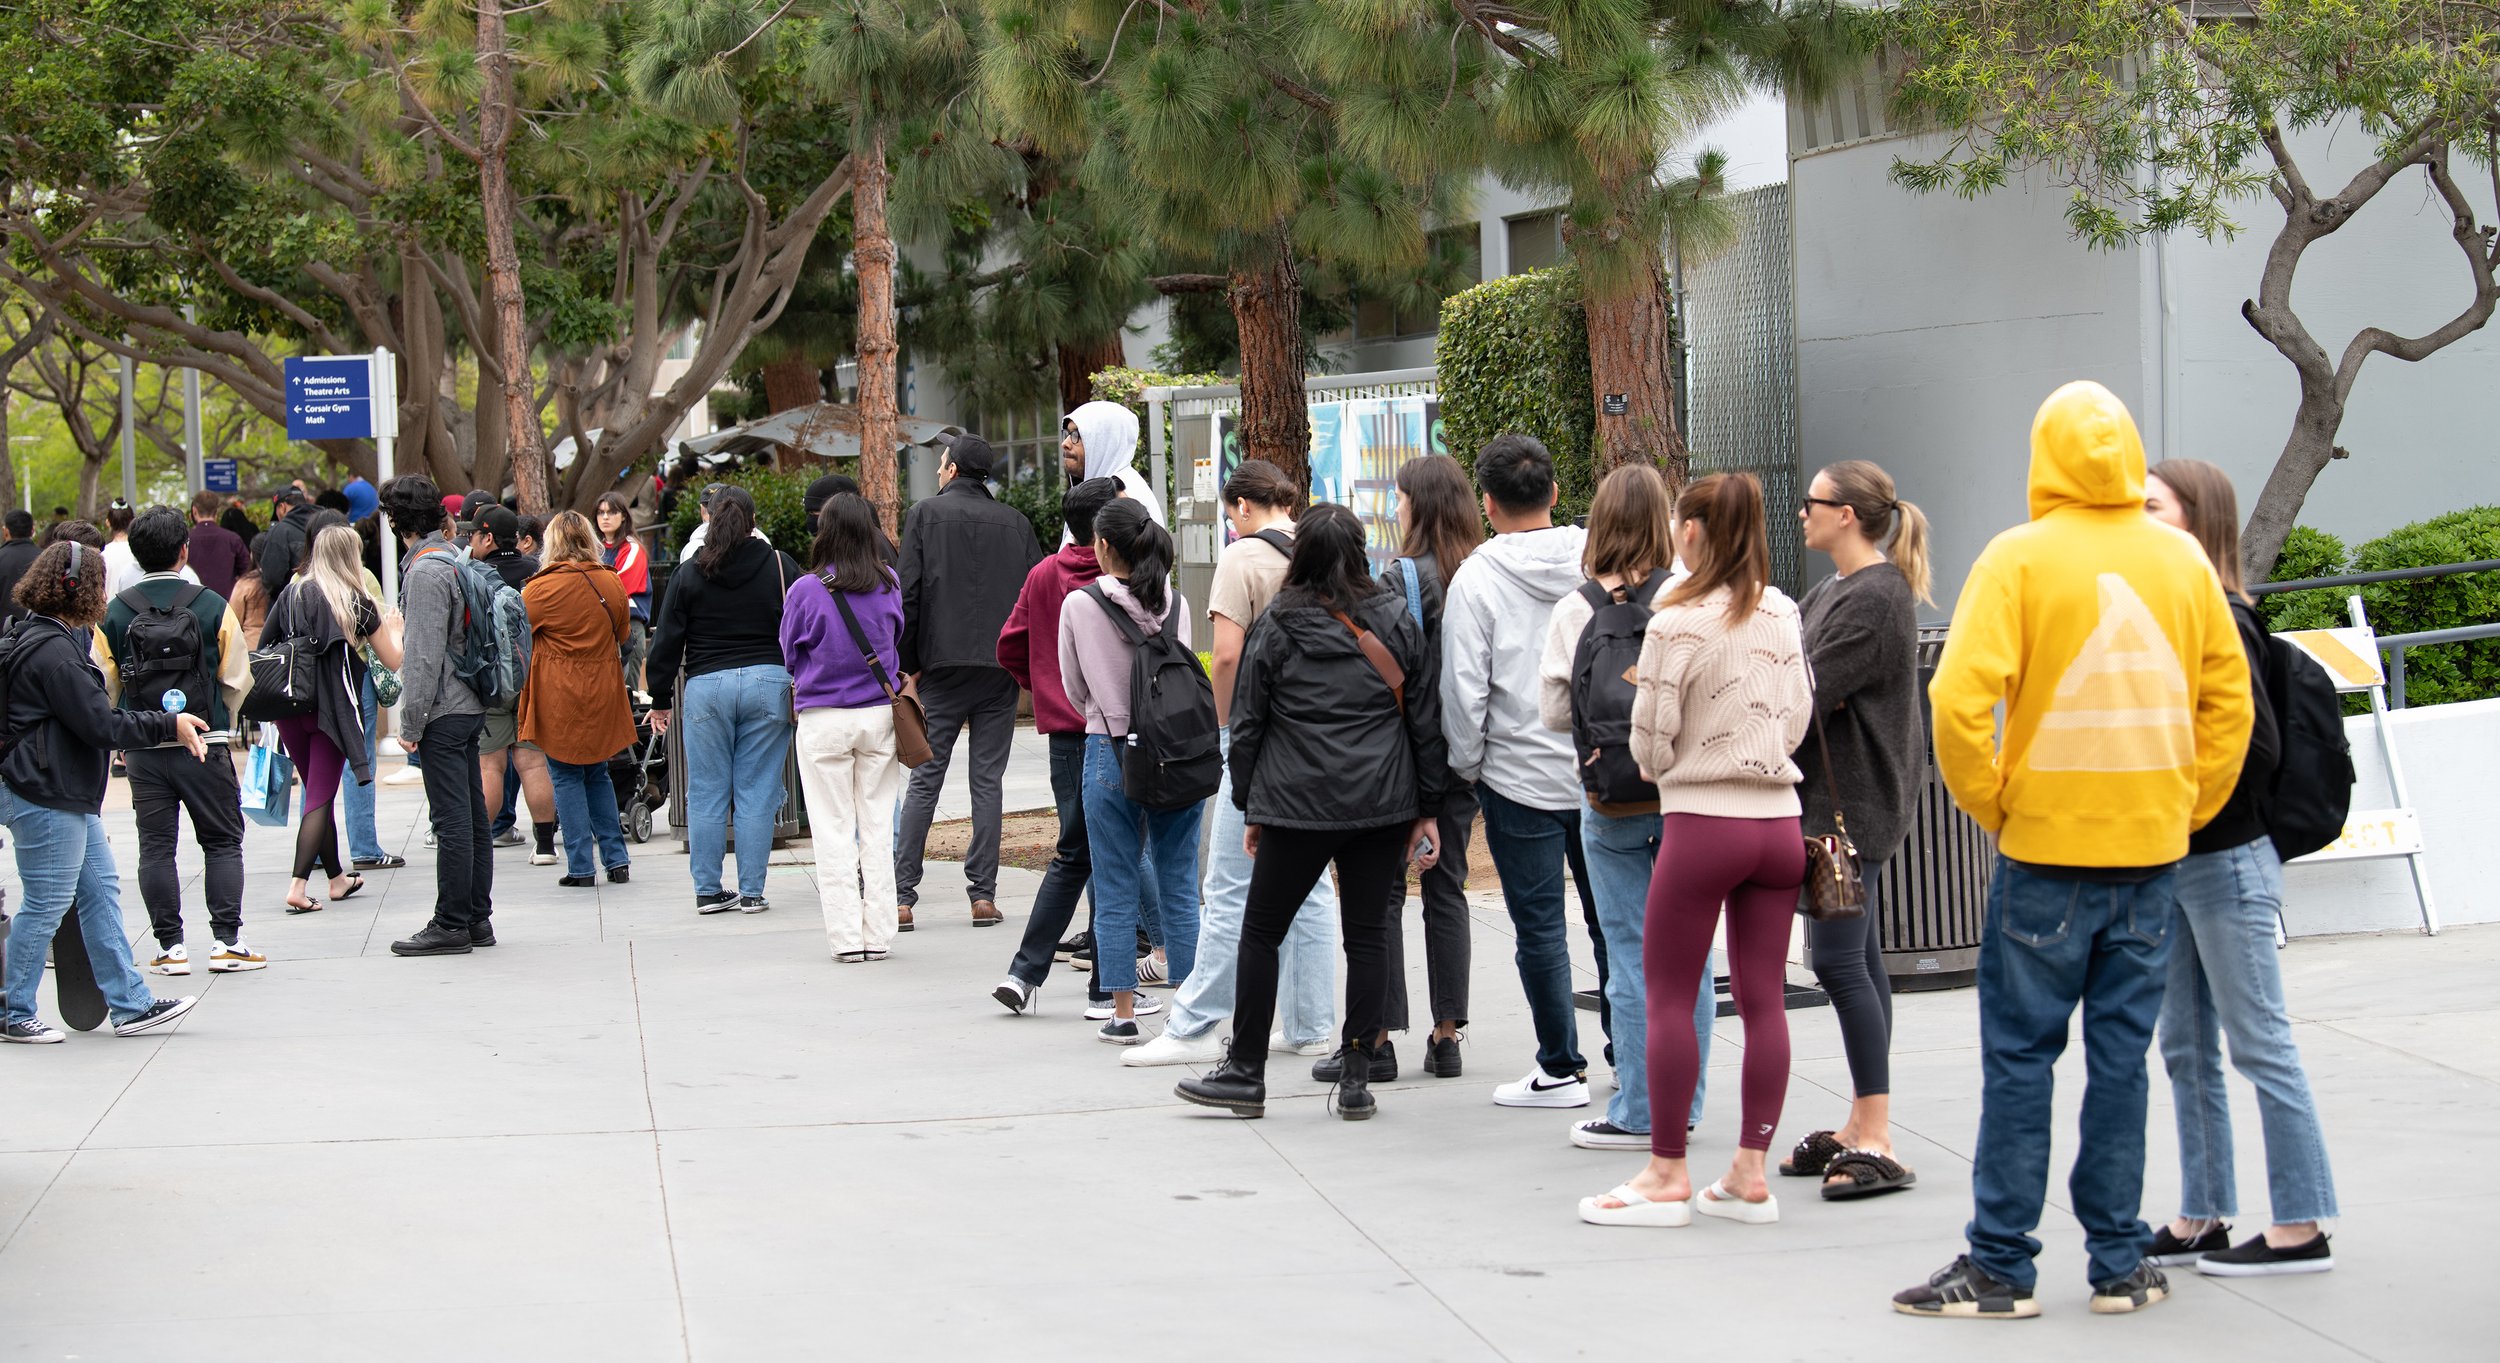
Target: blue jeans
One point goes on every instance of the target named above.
(63, 859)
(1621, 856)
(2225, 981)
(1306, 992)
(737, 738)
(2048, 946)
(364, 838)
(1121, 833)
(1528, 850)
(586, 811)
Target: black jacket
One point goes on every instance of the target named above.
(712, 624)
(281, 549)
(338, 693)
(1317, 739)
(15, 556)
(2241, 820)
(965, 556)
(61, 731)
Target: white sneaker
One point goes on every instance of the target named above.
(1103, 1012)
(1539, 1089)
(1168, 1049)
(173, 960)
(1150, 973)
(233, 956)
(538, 858)
(1276, 1042)
(405, 776)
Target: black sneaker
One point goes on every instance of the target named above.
(435, 940)
(162, 1012)
(754, 903)
(1441, 1057)
(1073, 945)
(1384, 1064)
(577, 882)
(2169, 1251)
(720, 901)
(385, 862)
(30, 1032)
(618, 875)
(1963, 1290)
(2133, 1292)
(2257, 1259)
(481, 934)
(1121, 1032)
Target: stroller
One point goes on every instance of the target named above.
(641, 776)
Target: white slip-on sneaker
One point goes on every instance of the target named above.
(1276, 1042)
(173, 960)
(1539, 1089)
(1167, 1049)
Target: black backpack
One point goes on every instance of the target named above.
(2312, 792)
(163, 651)
(1172, 757)
(1602, 690)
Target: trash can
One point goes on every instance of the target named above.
(790, 823)
(1934, 895)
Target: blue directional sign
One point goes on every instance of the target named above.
(221, 475)
(329, 397)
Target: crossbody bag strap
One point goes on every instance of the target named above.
(876, 667)
(1831, 787)
(1378, 655)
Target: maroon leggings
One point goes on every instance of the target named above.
(1754, 867)
(320, 763)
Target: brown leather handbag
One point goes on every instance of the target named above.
(911, 722)
(1834, 892)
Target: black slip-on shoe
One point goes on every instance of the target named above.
(2257, 1259)
(578, 882)
(482, 934)
(2169, 1251)
(1441, 1059)
(1962, 1290)
(1384, 1068)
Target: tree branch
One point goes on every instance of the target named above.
(2470, 240)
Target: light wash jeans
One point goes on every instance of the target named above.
(2226, 981)
(586, 811)
(1125, 835)
(737, 736)
(364, 837)
(1306, 984)
(1622, 854)
(63, 858)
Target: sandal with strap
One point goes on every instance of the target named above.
(1717, 1201)
(1812, 1156)
(354, 883)
(1869, 1174)
(1635, 1211)
(312, 907)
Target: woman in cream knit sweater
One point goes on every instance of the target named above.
(1723, 700)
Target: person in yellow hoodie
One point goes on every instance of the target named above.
(2105, 636)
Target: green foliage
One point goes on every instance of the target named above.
(780, 507)
(1514, 357)
(2433, 676)
(2307, 553)
(1039, 501)
(1125, 386)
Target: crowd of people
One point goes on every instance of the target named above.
(1641, 718)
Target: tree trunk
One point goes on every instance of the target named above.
(1080, 361)
(2306, 453)
(792, 381)
(1631, 357)
(872, 255)
(1266, 299)
(496, 116)
(89, 471)
(8, 454)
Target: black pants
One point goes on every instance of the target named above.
(983, 699)
(1071, 871)
(1290, 861)
(1448, 934)
(1849, 964)
(464, 839)
(1576, 856)
(165, 783)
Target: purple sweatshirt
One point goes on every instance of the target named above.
(1093, 658)
(826, 668)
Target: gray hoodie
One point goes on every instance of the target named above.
(1501, 602)
(1109, 431)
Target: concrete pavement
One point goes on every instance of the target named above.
(630, 1133)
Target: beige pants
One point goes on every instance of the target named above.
(848, 773)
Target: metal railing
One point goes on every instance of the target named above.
(2394, 645)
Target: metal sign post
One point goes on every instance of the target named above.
(385, 443)
(2351, 659)
(350, 397)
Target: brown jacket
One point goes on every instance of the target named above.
(574, 706)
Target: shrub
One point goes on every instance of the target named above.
(2433, 676)
(1514, 356)
(780, 507)
(1040, 504)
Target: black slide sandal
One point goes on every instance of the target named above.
(1812, 1156)
(1869, 1175)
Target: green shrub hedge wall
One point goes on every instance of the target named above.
(780, 507)
(2433, 676)
(1514, 356)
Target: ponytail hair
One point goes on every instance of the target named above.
(1735, 548)
(1868, 491)
(1141, 544)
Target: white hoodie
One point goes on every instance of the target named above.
(1109, 431)
(1501, 605)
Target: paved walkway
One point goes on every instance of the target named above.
(629, 1133)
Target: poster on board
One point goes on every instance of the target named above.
(1357, 447)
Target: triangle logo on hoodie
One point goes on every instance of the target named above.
(2123, 703)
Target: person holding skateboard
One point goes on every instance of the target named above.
(58, 732)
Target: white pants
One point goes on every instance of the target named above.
(848, 772)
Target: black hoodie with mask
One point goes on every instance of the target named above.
(728, 618)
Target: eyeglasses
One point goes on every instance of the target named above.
(1809, 503)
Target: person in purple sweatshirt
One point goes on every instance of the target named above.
(838, 631)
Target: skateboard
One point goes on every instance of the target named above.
(73, 977)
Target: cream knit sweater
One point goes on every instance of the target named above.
(1720, 708)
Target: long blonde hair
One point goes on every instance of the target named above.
(1866, 489)
(336, 570)
(571, 539)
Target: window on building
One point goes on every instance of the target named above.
(1026, 441)
(1535, 241)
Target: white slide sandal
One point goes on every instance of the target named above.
(1635, 1211)
(1717, 1201)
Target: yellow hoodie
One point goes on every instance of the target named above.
(2105, 635)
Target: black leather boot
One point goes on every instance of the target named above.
(1232, 1086)
(1353, 1096)
(1384, 1064)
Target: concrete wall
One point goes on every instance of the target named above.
(2446, 752)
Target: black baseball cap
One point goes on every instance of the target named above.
(971, 455)
(500, 522)
(827, 488)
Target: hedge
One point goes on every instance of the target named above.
(780, 507)
(2433, 676)
(1514, 357)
